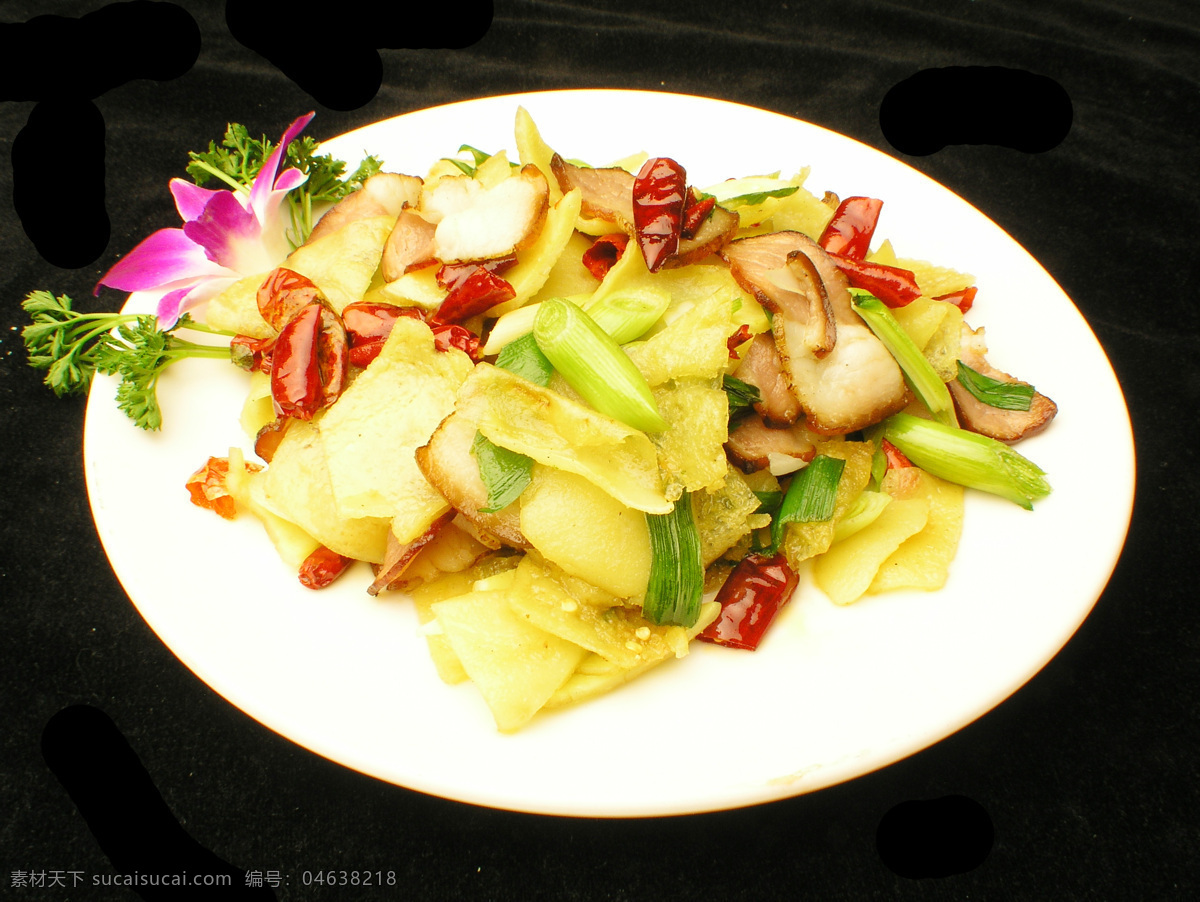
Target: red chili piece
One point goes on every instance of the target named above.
(283, 294)
(963, 300)
(450, 335)
(604, 253)
(252, 353)
(322, 567)
(477, 293)
(659, 198)
(894, 286)
(450, 274)
(849, 231)
(696, 213)
(896, 460)
(750, 598)
(368, 325)
(739, 337)
(309, 363)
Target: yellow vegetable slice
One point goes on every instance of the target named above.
(373, 430)
(846, 570)
(923, 561)
(236, 309)
(343, 263)
(555, 431)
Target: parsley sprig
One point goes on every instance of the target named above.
(239, 158)
(71, 347)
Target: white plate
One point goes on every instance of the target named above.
(834, 693)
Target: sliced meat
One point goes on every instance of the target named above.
(447, 462)
(409, 246)
(762, 367)
(605, 194)
(852, 385)
(752, 442)
(383, 194)
(1003, 425)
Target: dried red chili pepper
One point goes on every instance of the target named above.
(750, 598)
(252, 353)
(368, 325)
(267, 439)
(659, 199)
(896, 460)
(322, 567)
(738, 338)
(963, 300)
(604, 253)
(309, 363)
(476, 293)
(208, 488)
(283, 294)
(451, 335)
(849, 231)
(894, 286)
(450, 274)
(696, 212)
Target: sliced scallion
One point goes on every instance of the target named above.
(676, 584)
(595, 366)
(993, 392)
(811, 497)
(968, 459)
(626, 317)
(742, 395)
(918, 373)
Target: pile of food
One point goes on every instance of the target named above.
(559, 406)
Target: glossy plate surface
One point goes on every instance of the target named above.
(834, 693)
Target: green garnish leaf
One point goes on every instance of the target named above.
(812, 496)
(505, 473)
(757, 197)
(742, 395)
(676, 585)
(993, 392)
(71, 347)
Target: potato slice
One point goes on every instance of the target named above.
(245, 486)
(558, 432)
(586, 531)
(691, 453)
(804, 540)
(500, 220)
(535, 262)
(373, 431)
(923, 561)
(723, 516)
(846, 570)
(532, 149)
(297, 488)
(236, 309)
(516, 666)
(343, 263)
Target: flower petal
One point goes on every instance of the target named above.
(264, 182)
(166, 256)
(190, 199)
(222, 227)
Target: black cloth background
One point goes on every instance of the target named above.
(1088, 775)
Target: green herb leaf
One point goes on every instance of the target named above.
(676, 585)
(742, 395)
(505, 473)
(993, 392)
(812, 496)
(757, 197)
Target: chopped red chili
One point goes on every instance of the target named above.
(894, 286)
(604, 253)
(752, 595)
(963, 300)
(477, 293)
(659, 199)
(849, 231)
(322, 567)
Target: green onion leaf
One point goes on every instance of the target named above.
(993, 392)
(967, 458)
(918, 373)
(863, 511)
(742, 395)
(768, 502)
(595, 366)
(506, 473)
(523, 357)
(676, 584)
(811, 497)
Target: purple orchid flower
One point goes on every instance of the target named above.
(226, 235)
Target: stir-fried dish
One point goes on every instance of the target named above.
(580, 416)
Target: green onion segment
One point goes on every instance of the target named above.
(993, 392)
(811, 497)
(918, 373)
(676, 584)
(626, 317)
(967, 458)
(506, 473)
(595, 366)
